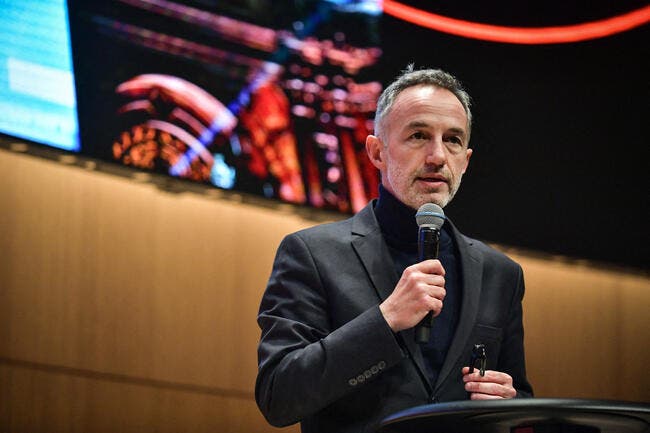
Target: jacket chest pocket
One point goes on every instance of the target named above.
(489, 336)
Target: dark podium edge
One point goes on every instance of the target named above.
(463, 410)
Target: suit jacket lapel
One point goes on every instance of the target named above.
(472, 271)
(373, 252)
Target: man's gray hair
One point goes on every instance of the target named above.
(409, 78)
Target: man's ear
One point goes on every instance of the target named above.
(469, 155)
(375, 149)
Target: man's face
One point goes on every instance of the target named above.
(423, 153)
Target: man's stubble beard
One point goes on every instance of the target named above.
(415, 199)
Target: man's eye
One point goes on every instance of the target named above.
(419, 135)
(454, 140)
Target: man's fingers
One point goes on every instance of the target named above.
(430, 266)
(435, 305)
(430, 282)
(489, 388)
(477, 396)
(494, 384)
(485, 388)
(490, 376)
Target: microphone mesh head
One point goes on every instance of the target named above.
(430, 214)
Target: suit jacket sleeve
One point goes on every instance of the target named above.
(512, 358)
(304, 364)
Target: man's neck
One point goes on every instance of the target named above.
(396, 220)
(398, 224)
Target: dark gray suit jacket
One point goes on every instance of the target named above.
(328, 358)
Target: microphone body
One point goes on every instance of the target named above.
(430, 219)
(428, 241)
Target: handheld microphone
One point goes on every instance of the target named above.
(430, 219)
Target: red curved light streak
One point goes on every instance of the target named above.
(519, 35)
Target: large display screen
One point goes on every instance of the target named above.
(270, 98)
(276, 98)
(37, 93)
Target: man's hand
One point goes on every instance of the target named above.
(493, 385)
(420, 289)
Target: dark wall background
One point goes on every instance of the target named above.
(560, 135)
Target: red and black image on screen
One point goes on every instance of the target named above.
(227, 95)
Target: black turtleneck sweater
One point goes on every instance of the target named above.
(400, 230)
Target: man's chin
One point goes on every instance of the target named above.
(441, 199)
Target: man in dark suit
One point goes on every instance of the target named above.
(337, 351)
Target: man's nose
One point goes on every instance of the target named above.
(436, 154)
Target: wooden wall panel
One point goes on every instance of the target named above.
(122, 277)
(103, 274)
(35, 400)
(587, 330)
(119, 297)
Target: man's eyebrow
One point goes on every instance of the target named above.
(458, 131)
(418, 124)
(423, 124)
(415, 124)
